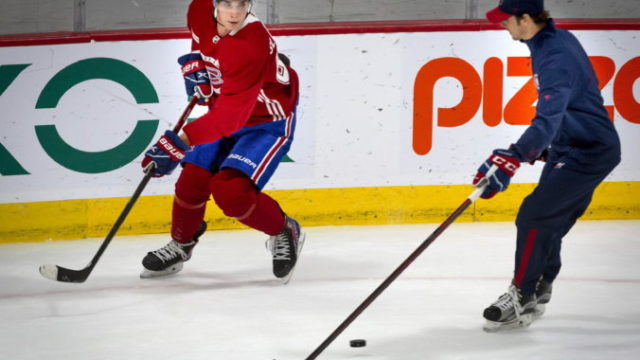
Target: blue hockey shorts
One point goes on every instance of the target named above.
(254, 150)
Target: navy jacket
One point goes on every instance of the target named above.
(570, 116)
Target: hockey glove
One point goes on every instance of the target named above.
(196, 79)
(507, 163)
(166, 154)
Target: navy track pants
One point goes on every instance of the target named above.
(546, 216)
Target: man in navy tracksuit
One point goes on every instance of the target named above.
(572, 132)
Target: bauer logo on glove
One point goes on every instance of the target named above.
(196, 78)
(175, 153)
(166, 154)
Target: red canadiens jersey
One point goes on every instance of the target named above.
(251, 84)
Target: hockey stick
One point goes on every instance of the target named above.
(59, 273)
(476, 193)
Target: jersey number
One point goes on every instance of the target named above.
(282, 74)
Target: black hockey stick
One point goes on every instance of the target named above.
(59, 273)
(476, 193)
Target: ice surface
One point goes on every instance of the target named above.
(226, 305)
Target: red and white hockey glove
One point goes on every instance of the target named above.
(507, 163)
(167, 153)
(196, 78)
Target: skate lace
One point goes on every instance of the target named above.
(170, 251)
(279, 246)
(509, 299)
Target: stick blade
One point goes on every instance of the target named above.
(58, 273)
(49, 271)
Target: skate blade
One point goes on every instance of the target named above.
(519, 323)
(285, 279)
(148, 274)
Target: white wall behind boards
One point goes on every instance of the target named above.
(355, 119)
(29, 16)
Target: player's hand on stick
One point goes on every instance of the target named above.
(196, 78)
(166, 154)
(507, 163)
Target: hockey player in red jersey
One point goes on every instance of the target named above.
(230, 152)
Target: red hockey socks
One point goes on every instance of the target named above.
(267, 216)
(238, 197)
(189, 203)
(185, 220)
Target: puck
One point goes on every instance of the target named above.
(358, 343)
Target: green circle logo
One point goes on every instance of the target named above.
(101, 161)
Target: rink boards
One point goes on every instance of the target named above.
(391, 127)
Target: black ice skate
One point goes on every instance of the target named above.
(543, 295)
(511, 310)
(170, 258)
(285, 248)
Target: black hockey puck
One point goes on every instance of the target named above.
(358, 343)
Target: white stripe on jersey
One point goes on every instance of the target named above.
(273, 106)
(263, 99)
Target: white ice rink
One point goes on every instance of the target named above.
(225, 304)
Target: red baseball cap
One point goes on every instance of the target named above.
(509, 8)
